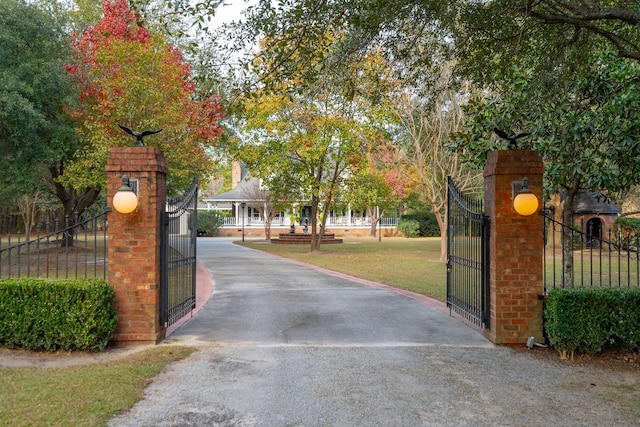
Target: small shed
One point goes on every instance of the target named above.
(596, 213)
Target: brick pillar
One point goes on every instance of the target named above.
(134, 244)
(516, 249)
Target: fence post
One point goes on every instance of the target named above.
(516, 247)
(133, 248)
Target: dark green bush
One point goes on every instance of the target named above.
(587, 320)
(209, 223)
(409, 227)
(47, 314)
(426, 221)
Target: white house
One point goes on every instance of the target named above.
(242, 200)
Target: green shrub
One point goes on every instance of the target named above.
(409, 227)
(586, 320)
(47, 314)
(427, 224)
(209, 223)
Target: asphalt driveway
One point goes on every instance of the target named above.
(282, 344)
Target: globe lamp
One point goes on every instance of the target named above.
(525, 203)
(125, 200)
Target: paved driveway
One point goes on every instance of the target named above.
(286, 345)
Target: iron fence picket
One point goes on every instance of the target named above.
(593, 261)
(33, 257)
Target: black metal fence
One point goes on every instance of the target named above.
(581, 257)
(178, 257)
(75, 249)
(467, 256)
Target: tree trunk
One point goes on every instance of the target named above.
(442, 224)
(554, 233)
(315, 237)
(374, 222)
(28, 207)
(267, 228)
(73, 204)
(566, 197)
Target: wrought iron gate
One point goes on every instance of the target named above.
(178, 256)
(467, 256)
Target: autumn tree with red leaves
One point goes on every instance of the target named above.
(130, 76)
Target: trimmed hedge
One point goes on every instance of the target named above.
(419, 224)
(587, 320)
(48, 314)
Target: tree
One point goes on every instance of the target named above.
(509, 25)
(262, 200)
(368, 191)
(36, 134)
(303, 150)
(379, 183)
(307, 133)
(429, 127)
(130, 76)
(584, 122)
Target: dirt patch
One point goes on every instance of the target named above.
(616, 360)
(61, 359)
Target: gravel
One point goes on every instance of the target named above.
(285, 345)
(382, 386)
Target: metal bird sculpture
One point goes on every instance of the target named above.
(139, 135)
(513, 145)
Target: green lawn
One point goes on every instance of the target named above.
(411, 264)
(86, 395)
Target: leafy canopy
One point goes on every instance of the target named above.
(130, 76)
(34, 129)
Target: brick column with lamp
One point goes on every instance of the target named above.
(515, 247)
(133, 248)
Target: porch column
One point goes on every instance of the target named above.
(515, 249)
(133, 249)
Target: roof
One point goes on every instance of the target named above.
(592, 202)
(241, 192)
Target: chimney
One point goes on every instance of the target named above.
(236, 174)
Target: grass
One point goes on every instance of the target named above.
(595, 268)
(49, 258)
(87, 395)
(411, 264)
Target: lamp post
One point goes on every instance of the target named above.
(242, 205)
(379, 225)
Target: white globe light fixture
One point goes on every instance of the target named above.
(525, 203)
(125, 200)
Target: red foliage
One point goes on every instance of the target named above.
(206, 117)
(385, 161)
(119, 23)
(127, 75)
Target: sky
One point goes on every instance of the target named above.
(231, 10)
